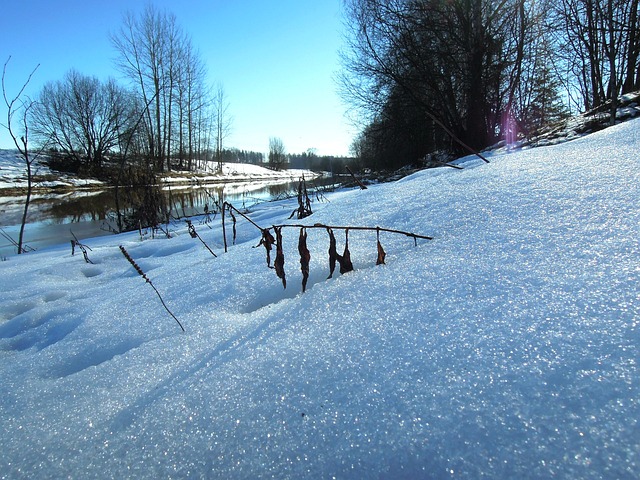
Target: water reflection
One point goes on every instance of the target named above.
(95, 213)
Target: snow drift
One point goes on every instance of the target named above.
(507, 347)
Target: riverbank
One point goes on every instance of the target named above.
(13, 176)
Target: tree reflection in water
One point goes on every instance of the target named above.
(97, 212)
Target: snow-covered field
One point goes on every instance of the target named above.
(507, 347)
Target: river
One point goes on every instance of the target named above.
(53, 216)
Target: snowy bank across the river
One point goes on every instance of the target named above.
(507, 347)
(234, 172)
(13, 175)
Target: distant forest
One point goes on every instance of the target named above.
(306, 160)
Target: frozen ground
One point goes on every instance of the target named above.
(507, 347)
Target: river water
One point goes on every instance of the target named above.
(53, 216)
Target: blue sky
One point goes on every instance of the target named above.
(277, 60)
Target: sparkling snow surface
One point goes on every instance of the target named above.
(507, 347)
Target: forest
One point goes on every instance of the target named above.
(459, 76)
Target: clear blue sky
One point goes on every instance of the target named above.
(277, 60)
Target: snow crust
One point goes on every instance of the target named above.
(507, 347)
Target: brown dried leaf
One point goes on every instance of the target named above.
(345, 259)
(192, 229)
(267, 240)
(305, 258)
(333, 253)
(381, 252)
(233, 217)
(278, 263)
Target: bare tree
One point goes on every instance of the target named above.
(82, 117)
(632, 74)
(142, 44)
(456, 64)
(222, 122)
(168, 73)
(17, 105)
(277, 153)
(601, 47)
(192, 103)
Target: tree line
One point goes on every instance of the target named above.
(279, 159)
(461, 75)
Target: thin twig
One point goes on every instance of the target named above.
(224, 230)
(360, 184)
(446, 164)
(415, 236)
(76, 243)
(381, 229)
(231, 207)
(142, 274)
(194, 234)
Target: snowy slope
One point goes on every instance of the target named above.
(507, 347)
(13, 174)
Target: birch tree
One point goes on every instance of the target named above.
(222, 122)
(157, 55)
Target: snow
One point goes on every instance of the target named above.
(235, 172)
(507, 347)
(13, 174)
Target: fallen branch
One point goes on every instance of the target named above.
(343, 260)
(268, 241)
(447, 164)
(360, 184)
(320, 225)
